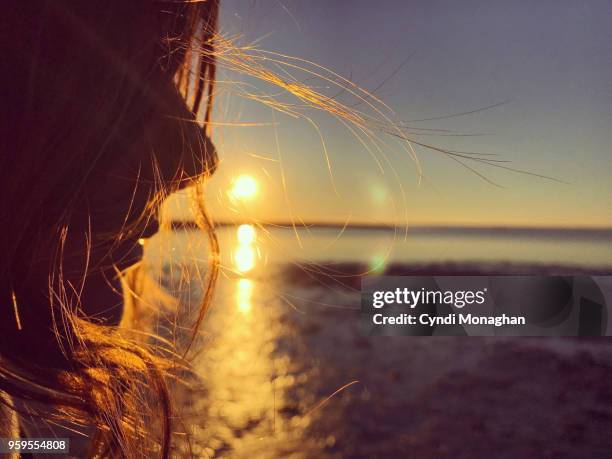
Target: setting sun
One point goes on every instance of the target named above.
(244, 187)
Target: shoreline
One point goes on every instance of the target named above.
(467, 230)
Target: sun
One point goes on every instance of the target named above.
(244, 187)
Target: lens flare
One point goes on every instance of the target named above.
(377, 264)
(378, 194)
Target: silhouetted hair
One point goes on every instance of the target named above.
(85, 86)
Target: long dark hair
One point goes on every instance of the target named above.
(85, 86)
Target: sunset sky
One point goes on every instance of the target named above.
(549, 62)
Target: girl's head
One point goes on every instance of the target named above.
(95, 128)
(100, 102)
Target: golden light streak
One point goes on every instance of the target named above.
(16, 309)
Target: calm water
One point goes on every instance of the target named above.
(271, 246)
(284, 371)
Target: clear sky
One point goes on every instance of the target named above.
(550, 61)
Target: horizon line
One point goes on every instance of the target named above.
(186, 224)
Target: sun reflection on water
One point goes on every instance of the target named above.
(246, 234)
(244, 294)
(254, 387)
(245, 254)
(244, 258)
